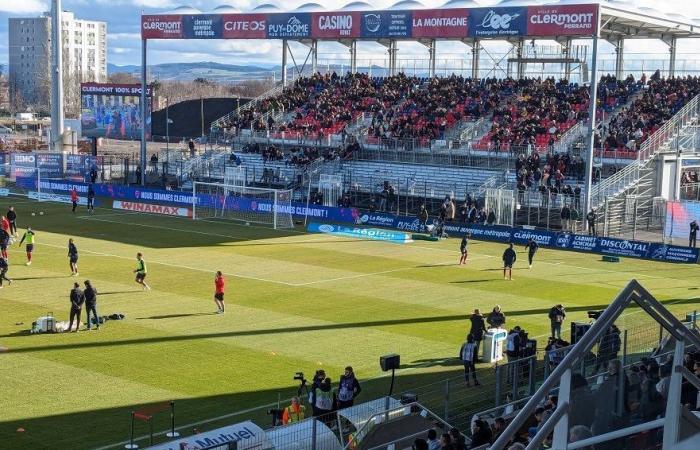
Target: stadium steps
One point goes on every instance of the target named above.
(400, 433)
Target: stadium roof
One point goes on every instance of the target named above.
(618, 18)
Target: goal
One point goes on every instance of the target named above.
(242, 203)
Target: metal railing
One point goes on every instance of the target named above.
(615, 184)
(629, 175)
(384, 416)
(684, 117)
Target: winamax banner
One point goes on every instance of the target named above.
(535, 21)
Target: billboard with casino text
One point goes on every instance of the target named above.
(336, 25)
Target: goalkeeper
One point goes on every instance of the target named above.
(141, 272)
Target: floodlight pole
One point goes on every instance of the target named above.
(592, 123)
(143, 112)
(56, 77)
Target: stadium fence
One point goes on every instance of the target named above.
(504, 388)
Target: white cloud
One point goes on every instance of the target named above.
(123, 36)
(155, 3)
(23, 6)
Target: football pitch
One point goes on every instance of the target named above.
(295, 302)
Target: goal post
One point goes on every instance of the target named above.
(272, 207)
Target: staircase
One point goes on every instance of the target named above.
(626, 201)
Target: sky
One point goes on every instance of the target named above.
(122, 17)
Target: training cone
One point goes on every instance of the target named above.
(20, 430)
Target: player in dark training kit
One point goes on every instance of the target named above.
(73, 257)
(12, 218)
(531, 248)
(91, 200)
(509, 258)
(463, 250)
(4, 267)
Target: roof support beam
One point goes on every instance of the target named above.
(619, 58)
(476, 54)
(353, 56)
(284, 62)
(432, 50)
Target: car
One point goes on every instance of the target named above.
(5, 130)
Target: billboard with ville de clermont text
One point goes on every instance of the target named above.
(448, 23)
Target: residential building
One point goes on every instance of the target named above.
(84, 45)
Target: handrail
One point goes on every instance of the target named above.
(652, 145)
(370, 420)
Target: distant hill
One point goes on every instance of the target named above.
(189, 71)
(224, 73)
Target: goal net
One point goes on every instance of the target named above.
(34, 183)
(242, 203)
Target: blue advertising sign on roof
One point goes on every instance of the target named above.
(289, 25)
(498, 22)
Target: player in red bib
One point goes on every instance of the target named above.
(219, 284)
(74, 199)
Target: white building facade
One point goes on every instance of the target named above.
(84, 44)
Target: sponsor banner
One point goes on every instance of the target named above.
(203, 26)
(690, 162)
(673, 253)
(440, 23)
(118, 90)
(168, 26)
(4, 192)
(563, 20)
(375, 234)
(377, 24)
(247, 434)
(244, 26)
(78, 165)
(51, 164)
(486, 233)
(498, 22)
(152, 209)
(51, 197)
(623, 247)
(336, 24)
(286, 26)
(542, 237)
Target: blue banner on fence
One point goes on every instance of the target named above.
(376, 234)
(564, 241)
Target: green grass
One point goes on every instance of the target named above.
(295, 302)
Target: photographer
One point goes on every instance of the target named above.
(323, 398)
(513, 347)
(556, 316)
(348, 388)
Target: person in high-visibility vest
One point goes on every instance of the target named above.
(294, 412)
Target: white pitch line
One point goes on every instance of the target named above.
(351, 277)
(179, 266)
